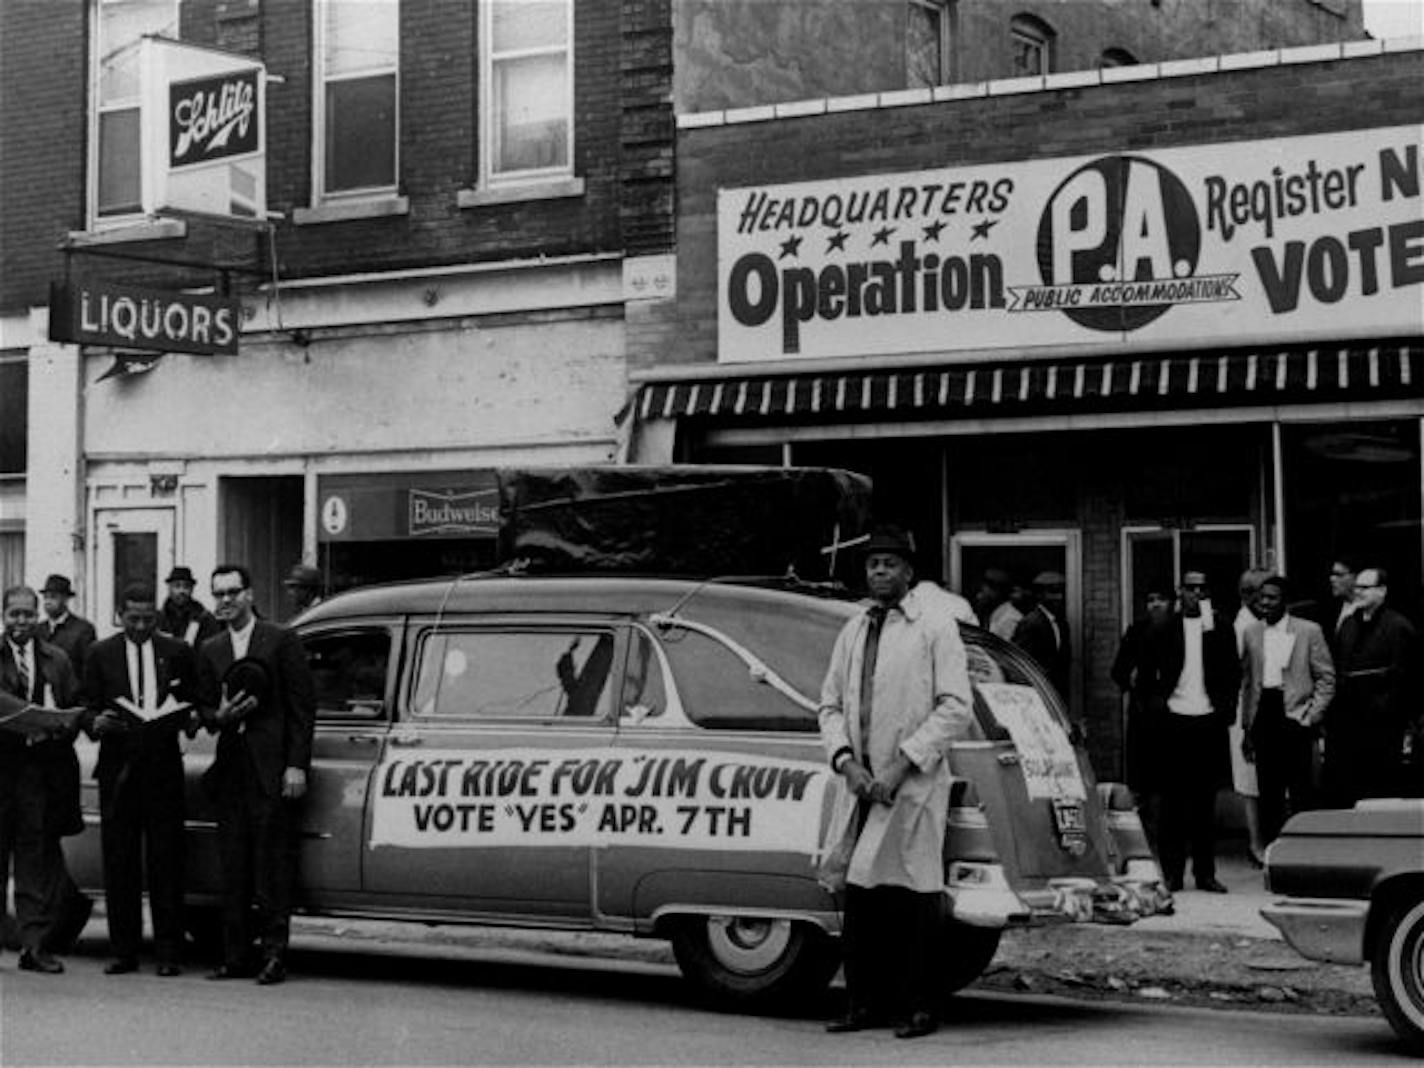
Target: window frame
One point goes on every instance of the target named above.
(19, 395)
(97, 108)
(321, 195)
(1032, 31)
(423, 632)
(488, 180)
(346, 627)
(945, 14)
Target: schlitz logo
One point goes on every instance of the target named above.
(1118, 244)
(213, 118)
(453, 513)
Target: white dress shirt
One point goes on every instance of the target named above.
(143, 675)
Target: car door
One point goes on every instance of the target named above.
(490, 787)
(353, 666)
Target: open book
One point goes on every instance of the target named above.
(37, 722)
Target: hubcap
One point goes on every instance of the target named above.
(747, 944)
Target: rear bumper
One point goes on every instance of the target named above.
(990, 902)
(1327, 929)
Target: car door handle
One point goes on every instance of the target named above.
(363, 739)
(406, 741)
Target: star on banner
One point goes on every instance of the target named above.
(933, 230)
(790, 247)
(981, 229)
(836, 242)
(882, 237)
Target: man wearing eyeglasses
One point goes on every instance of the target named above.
(1373, 723)
(258, 696)
(1190, 674)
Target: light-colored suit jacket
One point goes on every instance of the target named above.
(1307, 679)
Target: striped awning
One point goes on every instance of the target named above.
(1297, 375)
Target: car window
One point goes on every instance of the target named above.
(644, 693)
(349, 668)
(514, 673)
(718, 690)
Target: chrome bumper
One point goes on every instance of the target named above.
(982, 898)
(1327, 929)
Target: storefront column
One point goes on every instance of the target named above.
(54, 529)
(1278, 500)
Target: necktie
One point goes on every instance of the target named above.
(876, 620)
(27, 682)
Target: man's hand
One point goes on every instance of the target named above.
(888, 783)
(294, 784)
(233, 708)
(858, 779)
(109, 722)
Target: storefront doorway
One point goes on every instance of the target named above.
(133, 545)
(1154, 557)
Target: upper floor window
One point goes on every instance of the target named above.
(116, 182)
(526, 90)
(14, 418)
(357, 63)
(928, 43)
(1117, 57)
(1032, 44)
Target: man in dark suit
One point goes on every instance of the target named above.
(1043, 631)
(183, 615)
(1188, 674)
(61, 627)
(264, 719)
(140, 689)
(37, 770)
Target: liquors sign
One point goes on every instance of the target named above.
(1307, 236)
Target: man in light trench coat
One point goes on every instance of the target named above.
(895, 696)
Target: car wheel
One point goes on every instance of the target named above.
(750, 960)
(964, 954)
(1398, 972)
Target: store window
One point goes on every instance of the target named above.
(357, 66)
(526, 91)
(1032, 46)
(116, 173)
(14, 417)
(516, 673)
(929, 40)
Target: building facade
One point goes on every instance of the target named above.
(465, 198)
(1114, 323)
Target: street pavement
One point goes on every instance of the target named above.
(1234, 914)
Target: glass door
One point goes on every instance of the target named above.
(1153, 558)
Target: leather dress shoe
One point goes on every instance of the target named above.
(232, 971)
(121, 966)
(1174, 886)
(1211, 886)
(917, 1026)
(39, 961)
(854, 1020)
(168, 969)
(272, 973)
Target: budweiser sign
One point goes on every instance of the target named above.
(213, 118)
(454, 513)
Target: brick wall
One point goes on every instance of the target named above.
(623, 147)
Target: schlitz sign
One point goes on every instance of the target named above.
(103, 314)
(213, 118)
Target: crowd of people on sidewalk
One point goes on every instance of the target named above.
(170, 670)
(1293, 712)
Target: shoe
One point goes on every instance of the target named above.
(121, 966)
(168, 969)
(1211, 886)
(1174, 886)
(917, 1026)
(854, 1020)
(272, 973)
(233, 971)
(37, 960)
(70, 926)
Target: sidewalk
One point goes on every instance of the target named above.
(1235, 914)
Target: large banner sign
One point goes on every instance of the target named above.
(597, 797)
(1293, 237)
(1046, 755)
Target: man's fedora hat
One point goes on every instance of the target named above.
(891, 539)
(57, 584)
(181, 574)
(302, 575)
(250, 676)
